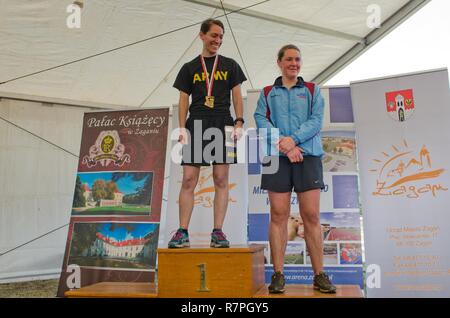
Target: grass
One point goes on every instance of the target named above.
(32, 289)
(127, 209)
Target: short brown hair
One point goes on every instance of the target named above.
(206, 25)
(285, 48)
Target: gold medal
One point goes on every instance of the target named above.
(209, 101)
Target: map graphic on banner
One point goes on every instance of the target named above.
(340, 213)
(115, 222)
(405, 182)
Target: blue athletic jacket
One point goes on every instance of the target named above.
(294, 114)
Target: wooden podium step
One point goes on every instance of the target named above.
(206, 272)
(307, 291)
(114, 290)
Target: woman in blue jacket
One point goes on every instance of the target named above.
(295, 108)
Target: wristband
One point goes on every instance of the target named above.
(239, 119)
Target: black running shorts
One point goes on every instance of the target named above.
(300, 177)
(201, 149)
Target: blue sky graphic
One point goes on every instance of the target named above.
(126, 185)
(120, 234)
(341, 219)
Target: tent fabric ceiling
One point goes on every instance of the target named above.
(34, 36)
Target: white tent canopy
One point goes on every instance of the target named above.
(37, 178)
(34, 36)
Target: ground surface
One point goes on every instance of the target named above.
(37, 288)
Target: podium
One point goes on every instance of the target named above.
(203, 272)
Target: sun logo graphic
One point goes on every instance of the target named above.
(204, 192)
(407, 173)
(400, 104)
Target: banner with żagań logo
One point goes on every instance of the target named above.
(403, 154)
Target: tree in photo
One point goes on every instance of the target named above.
(78, 199)
(84, 235)
(111, 188)
(103, 190)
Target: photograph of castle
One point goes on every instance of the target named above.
(114, 245)
(113, 193)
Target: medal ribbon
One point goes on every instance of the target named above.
(209, 81)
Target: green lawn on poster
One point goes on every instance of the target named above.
(115, 210)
